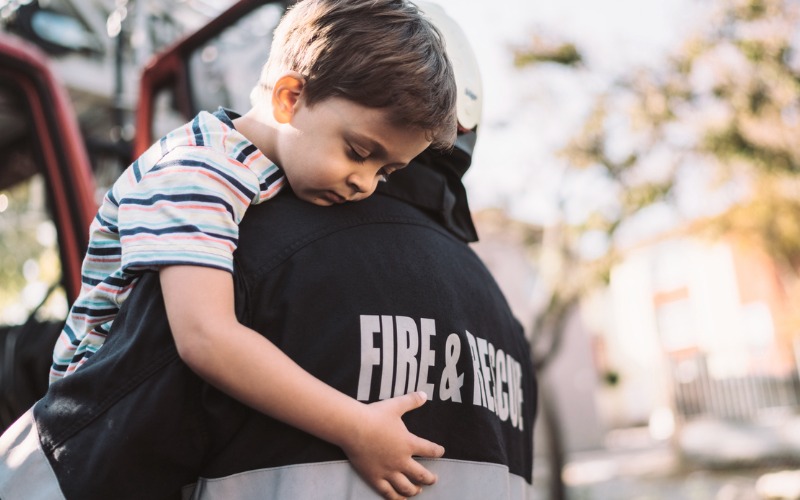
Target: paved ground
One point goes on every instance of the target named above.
(649, 470)
(599, 476)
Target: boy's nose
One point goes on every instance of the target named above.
(361, 186)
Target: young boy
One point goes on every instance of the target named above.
(352, 91)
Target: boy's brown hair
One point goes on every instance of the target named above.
(376, 53)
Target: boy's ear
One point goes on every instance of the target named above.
(285, 95)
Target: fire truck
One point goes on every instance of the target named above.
(54, 170)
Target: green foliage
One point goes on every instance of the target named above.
(731, 145)
(611, 378)
(749, 10)
(746, 117)
(734, 90)
(566, 54)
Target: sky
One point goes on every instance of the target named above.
(529, 113)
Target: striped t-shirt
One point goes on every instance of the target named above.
(179, 203)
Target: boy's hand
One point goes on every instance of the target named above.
(382, 448)
(372, 435)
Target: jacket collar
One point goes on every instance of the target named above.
(432, 182)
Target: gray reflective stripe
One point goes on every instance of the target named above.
(457, 480)
(25, 472)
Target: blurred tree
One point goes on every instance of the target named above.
(544, 49)
(728, 105)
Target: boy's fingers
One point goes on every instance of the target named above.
(427, 449)
(403, 486)
(411, 401)
(385, 490)
(418, 474)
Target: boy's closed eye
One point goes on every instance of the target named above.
(361, 157)
(356, 155)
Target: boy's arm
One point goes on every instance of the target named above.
(239, 361)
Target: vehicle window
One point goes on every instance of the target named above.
(33, 301)
(30, 267)
(226, 68)
(30, 259)
(55, 25)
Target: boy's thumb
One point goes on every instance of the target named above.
(413, 400)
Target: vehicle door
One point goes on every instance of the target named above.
(46, 204)
(47, 190)
(216, 66)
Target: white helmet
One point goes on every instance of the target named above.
(465, 66)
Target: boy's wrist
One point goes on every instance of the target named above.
(349, 430)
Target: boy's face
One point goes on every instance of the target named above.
(337, 151)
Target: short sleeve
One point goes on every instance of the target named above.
(185, 210)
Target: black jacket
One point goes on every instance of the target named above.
(376, 298)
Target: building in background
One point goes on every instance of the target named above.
(691, 335)
(703, 337)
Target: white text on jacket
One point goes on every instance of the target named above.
(404, 353)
